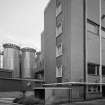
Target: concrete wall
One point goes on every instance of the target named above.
(93, 10)
(77, 37)
(57, 95)
(103, 11)
(50, 42)
(15, 94)
(93, 48)
(93, 43)
(77, 93)
(12, 85)
(42, 43)
(72, 40)
(66, 40)
(60, 95)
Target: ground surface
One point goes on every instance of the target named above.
(93, 102)
(6, 101)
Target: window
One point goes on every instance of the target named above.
(103, 70)
(59, 80)
(58, 7)
(59, 50)
(89, 89)
(93, 69)
(98, 89)
(59, 29)
(97, 69)
(93, 89)
(59, 71)
(58, 3)
(92, 28)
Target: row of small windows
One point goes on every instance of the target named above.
(59, 31)
(59, 24)
(93, 69)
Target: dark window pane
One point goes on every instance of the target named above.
(91, 68)
(103, 70)
(59, 80)
(97, 70)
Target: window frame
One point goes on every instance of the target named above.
(60, 67)
(59, 50)
(96, 69)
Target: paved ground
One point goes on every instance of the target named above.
(93, 102)
(6, 101)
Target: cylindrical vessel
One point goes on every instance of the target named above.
(1, 59)
(28, 62)
(11, 59)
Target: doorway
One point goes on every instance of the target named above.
(40, 93)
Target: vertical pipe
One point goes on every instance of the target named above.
(84, 45)
(100, 69)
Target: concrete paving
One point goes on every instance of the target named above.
(6, 101)
(93, 102)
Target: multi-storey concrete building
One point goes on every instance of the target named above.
(74, 44)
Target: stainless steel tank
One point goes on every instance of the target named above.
(1, 59)
(28, 62)
(11, 59)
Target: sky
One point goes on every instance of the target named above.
(21, 22)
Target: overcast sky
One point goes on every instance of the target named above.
(22, 21)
